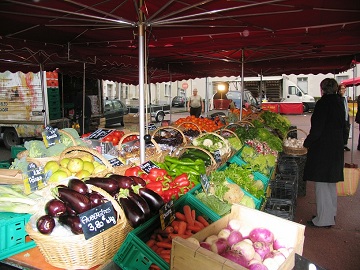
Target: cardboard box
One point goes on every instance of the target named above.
(186, 255)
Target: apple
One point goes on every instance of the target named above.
(87, 157)
(64, 162)
(88, 166)
(75, 165)
(99, 169)
(83, 174)
(96, 163)
(65, 170)
(52, 166)
(57, 176)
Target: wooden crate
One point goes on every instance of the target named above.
(186, 255)
(134, 118)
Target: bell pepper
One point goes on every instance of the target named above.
(171, 194)
(157, 174)
(156, 186)
(182, 180)
(134, 171)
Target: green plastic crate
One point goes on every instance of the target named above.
(135, 254)
(5, 164)
(16, 149)
(13, 234)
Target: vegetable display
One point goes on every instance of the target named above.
(212, 143)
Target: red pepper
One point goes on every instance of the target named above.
(171, 194)
(182, 180)
(157, 174)
(134, 171)
(156, 186)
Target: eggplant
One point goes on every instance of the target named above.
(141, 202)
(79, 202)
(45, 224)
(55, 208)
(153, 199)
(78, 185)
(69, 210)
(95, 199)
(110, 185)
(73, 222)
(123, 181)
(138, 180)
(132, 211)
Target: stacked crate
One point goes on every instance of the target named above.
(53, 95)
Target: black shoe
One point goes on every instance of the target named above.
(347, 148)
(358, 148)
(311, 224)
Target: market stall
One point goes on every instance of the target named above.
(181, 191)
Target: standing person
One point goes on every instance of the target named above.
(357, 119)
(342, 91)
(195, 104)
(325, 158)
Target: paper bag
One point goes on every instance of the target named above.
(350, 184)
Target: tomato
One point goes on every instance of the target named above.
(118, 133)
(115, 140)
(108, 138)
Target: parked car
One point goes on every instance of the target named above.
(114, 111)
(178, 101)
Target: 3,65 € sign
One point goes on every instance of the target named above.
(97, 219)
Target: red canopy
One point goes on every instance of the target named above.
(351, 82)
(185, 38)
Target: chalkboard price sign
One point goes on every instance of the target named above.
(35, 178)
(147, 166)
(115, 162)
(204, 180)
(97, 220)
(167, 214)
(217, 156)
(51, 136)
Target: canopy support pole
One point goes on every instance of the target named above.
(242, 83)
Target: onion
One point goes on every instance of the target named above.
(234, 237)
(211, 239)
(262, 249)
(224, 233)
(234, 225)
(262, 235)
(236, 258)
(245, 249)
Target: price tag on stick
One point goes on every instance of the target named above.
(97, 219)
(167, 214)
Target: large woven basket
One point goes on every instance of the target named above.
(44, 160)
(292, 150)
(225, 133)
(75, 252)
(210, 168)
(234, 126)
(157, 155)
(170, 129)
(80, 151)
(185, 126)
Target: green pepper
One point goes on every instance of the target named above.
(178, 161)
(188, 170)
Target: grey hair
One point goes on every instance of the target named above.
(329, 86)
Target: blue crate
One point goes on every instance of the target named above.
(14, 238)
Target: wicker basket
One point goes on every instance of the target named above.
(292, 150)
(210, 168)
(183, 128)
(44, 160)
(172, 129)
(80, 151)
(74, 252)
(158, 155)
(233, 126)
(222, 133)
(253, 116)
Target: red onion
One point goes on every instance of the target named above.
(245, 249)
(236, 258)
(234, 237)
(262, 249)
(262, 235)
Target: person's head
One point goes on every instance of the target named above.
(341, 90)
(195, 91)
(328, 86)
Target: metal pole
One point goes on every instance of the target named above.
(82, 131)
(242, 82)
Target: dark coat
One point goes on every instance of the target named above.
(325, 157)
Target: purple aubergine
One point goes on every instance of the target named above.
(133, 213)
(45, 224)
(141, 202)
(138, 180)
(55, 208)
(69, 210)
(73, 222)
(79, 202)
(110, 185)
(153, 199)
(123, 181)
(78, 185)
(95, 199)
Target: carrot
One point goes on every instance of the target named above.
(203, 221)
(175, 222)
(165, 251)
(182, 227)
(154, 247)
(188, 232)
(159, 238)
(193, 228)
(169, 229)
(154, 267)
(199, 224)
(158, 251)
(193, 214)
(176, 228)
(164, 245)
(188, 215)
(165, 257)
(150, 243)
(180, 216)
(173, 235)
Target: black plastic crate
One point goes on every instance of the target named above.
(300, 161)
(287, 167)
(284, 187)
(280, 208)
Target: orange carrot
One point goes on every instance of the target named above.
(173, 235)
(165, 251)
(187, 213)
(175, 222)
(199, 224)
(164, 245)
(165, 257)
(203, 221)
(182, 227)
(154, 267)
(193, 228)
(193, 214)
(150, 243)
(158, 251)
(180, 216)
(188, 232)
(159, 238)
(169, 229)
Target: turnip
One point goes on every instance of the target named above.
(257, 266)
(245, 249)
(234, 237)
(211, 239)
(205, 245)
(262, 249)
(219, 246)
(193, 240)
(234, 225)
(262, 235)
(236, 258)
(224, 233)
